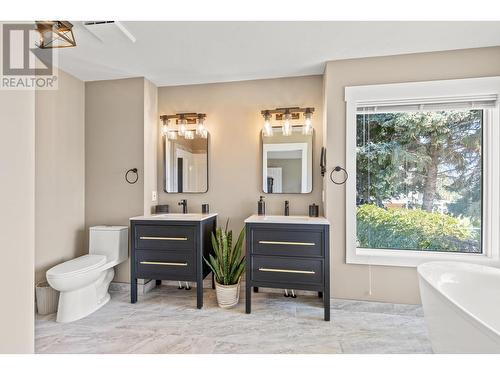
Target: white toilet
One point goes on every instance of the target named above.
(83, 282)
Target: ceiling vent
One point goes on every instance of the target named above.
(109, 31)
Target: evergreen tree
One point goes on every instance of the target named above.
(427, 152)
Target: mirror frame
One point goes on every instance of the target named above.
(261, 148)
(165, 169)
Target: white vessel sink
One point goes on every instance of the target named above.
(175, 217)
(285, 219)
(281, 219)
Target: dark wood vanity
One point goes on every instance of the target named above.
(171, 247)
(288, 252)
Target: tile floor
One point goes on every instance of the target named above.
(166, 320)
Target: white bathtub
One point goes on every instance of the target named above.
(461, 306)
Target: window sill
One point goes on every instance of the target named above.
(410, 258)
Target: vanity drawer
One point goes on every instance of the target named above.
(287, 242)
(164, 237)
(164, 265)
(287, 270)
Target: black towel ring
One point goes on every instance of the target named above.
(338, 169)
(132, 170)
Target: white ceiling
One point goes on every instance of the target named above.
(179, 53)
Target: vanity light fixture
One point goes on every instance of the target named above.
(288, 114)
(186, 125)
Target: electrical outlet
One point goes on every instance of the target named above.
(154, 196)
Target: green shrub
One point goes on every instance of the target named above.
(396, 228)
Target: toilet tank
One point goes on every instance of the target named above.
(109, 240)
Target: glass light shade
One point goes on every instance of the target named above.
(189, 134)
(165, 127)
(307, 128)
(267, 130)
(172, 134)
(200, 129)
(204, 133)
(287, 127)
(182, 127)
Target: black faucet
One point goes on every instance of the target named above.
(287, 208)
(184, 204)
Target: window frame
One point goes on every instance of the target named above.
(446, 90)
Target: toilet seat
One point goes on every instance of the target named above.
(76, 266)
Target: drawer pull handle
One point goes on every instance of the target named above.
(166, 264)
(286, 271)
(164, 238)
(287, 243)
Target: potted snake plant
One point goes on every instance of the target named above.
(227, 266)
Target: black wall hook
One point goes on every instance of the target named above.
(339, 169)
(132, 170)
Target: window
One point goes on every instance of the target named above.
(419, 180)
(425, 167)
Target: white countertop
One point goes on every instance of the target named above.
(279, 219)
(175, 217)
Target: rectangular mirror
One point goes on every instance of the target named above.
(287, 162)
(186, 165)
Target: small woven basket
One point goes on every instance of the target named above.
(46, 298)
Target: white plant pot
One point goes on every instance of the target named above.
(227, 295)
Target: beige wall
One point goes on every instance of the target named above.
(17, 221)
(150, 144)
(114, 143)
(234, 123)
(391, 284)
(60, 174)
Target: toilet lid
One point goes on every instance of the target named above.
(76, 266)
